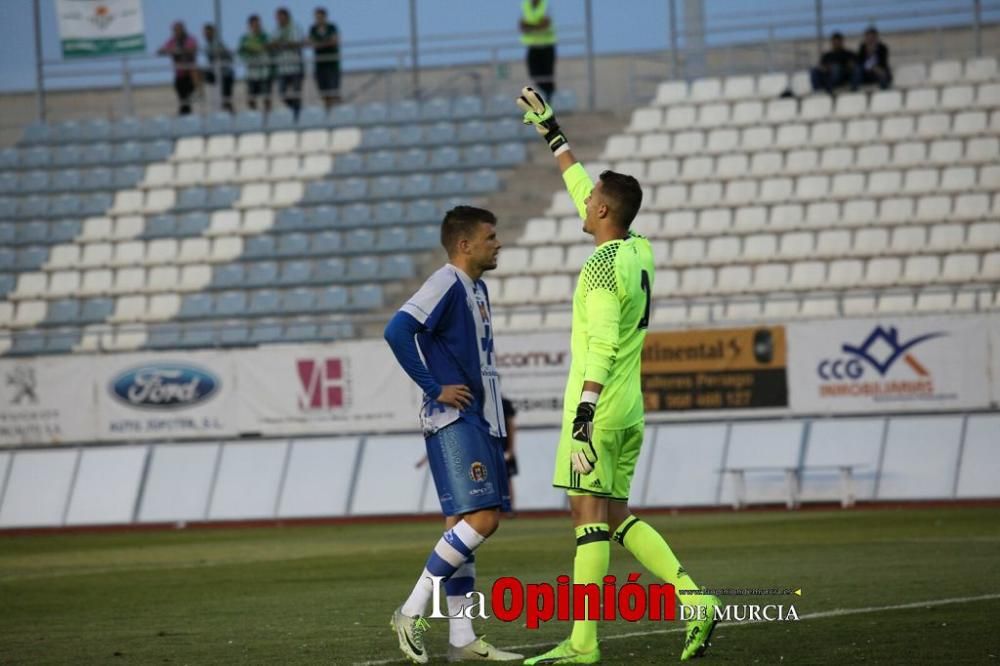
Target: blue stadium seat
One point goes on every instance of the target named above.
(446, 157)
(94, 310)
(298, 300)
(472, 131)
(510, 154)
(362, 269)
(7, 280)
(335, 330)
(393, 239)
(295, 244)
(10, 158)
(223, 196)
(397, 267)
(410, 135)
(198, 335)
(377, 137)
(233, 333)
(192, 198)
(187, 126)
(7, 257)
(195, 306)
(418, 185)
(326, 243)
(344, 114)
(157, 151)
(440, 134)
(160, 226)
(413, 159)
(64, 231)
(507, 129)
(422, 211)
(36, 232)
(7, 232)
(386, 187)
(249, 121)
(301, 330)
(450, 182)
(65, 205)
(482, 181)
(230, 303)
(295, 272)
(62, 340)
(66, 180)
(467, 107)
(381, 161)
(359, 240)
(260, 273)
(126, 129)
(97, 179)
(220, 122)
(330, 270)
(498, 106)
(33, 206)
(94, 130)
(158, 127)
(289, 219)
(97, 203)
(280, 119)
(192, 224)
(27, 343)
(126, 153)
(348, 164)
(312, 117)
(319, 191)
(366, 297)
(478, 155)
(127, 177)
(228, 276)
(8, 182)
(352, 189)
(163, 336)
(356, 215)
(373, 113)
(64, 311)
(259, 246)
(435, 109)
(404, 111)
(332, 299)
(388, 212)
(39, 156)
(322, 217)
(264, 302)
(564, 100)
(95, 153)
(35, 133)
(67, 132)
(33, 181)
(266, 331)
(425, 237)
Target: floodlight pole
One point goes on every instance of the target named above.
(217, 65)
(977, 21)
(39, 69)
(414, 49)
(675, 56)
(591, 77)
(819, 28)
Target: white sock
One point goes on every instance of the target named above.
(448, 555)
(460, 632)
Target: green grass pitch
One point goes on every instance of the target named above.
(323, 594)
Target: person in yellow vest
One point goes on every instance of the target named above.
(539, 36)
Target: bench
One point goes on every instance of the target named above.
(793, 482)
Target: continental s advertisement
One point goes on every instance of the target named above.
(726, 368)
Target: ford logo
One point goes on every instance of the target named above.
(164, 386)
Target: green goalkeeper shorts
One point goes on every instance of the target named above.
(617, 454)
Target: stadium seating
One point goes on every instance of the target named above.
(761, 206)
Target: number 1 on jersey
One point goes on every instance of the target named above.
(644, 281)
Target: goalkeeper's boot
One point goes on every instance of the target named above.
(410, 632)
(480, 650)
(699, 632)
(565, 654)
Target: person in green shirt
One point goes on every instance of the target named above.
(325, 40)
(286, 48)
(253, 50)
(539, 36)
(603, 409)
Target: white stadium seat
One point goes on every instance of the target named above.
(646, 119)
(703, 90)
(945, 71)
(671, 92)
(981, 69)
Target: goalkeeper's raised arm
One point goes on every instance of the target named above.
(540, 115)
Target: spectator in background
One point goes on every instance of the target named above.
(873, 61)
(509, 455)
(837, 67)
(539, 36)
(183, 50)
(325, 41)
(216, 51)
(254, 52)
(286, 47)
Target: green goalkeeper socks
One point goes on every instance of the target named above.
(652, 551)
(593, 550)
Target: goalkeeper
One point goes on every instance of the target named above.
(602, 428)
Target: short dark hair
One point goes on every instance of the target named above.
(252, 18)
(872, 30)
(320, 10)
(460, 222)
(284, 10)
(837, 35)
(625, 195)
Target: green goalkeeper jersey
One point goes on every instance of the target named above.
(610, 316)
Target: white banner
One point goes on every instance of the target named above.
(890, 364)
(166, 396)
(344, 387)
(47, 400)
(533, 370)
(90, 28)
(994, 325)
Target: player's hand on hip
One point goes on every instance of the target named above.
(539, 114)
(455, 395)
(583, 454)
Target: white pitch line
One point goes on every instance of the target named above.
(837, 612)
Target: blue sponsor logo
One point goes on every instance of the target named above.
(164, 386)
(879, 351)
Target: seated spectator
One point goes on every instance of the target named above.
(183, 50)
(873, 61)
(216, 51)
(254, 51)
(326, 45)
(836, 68)
(286, 47)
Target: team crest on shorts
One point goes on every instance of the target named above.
(477, 471)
